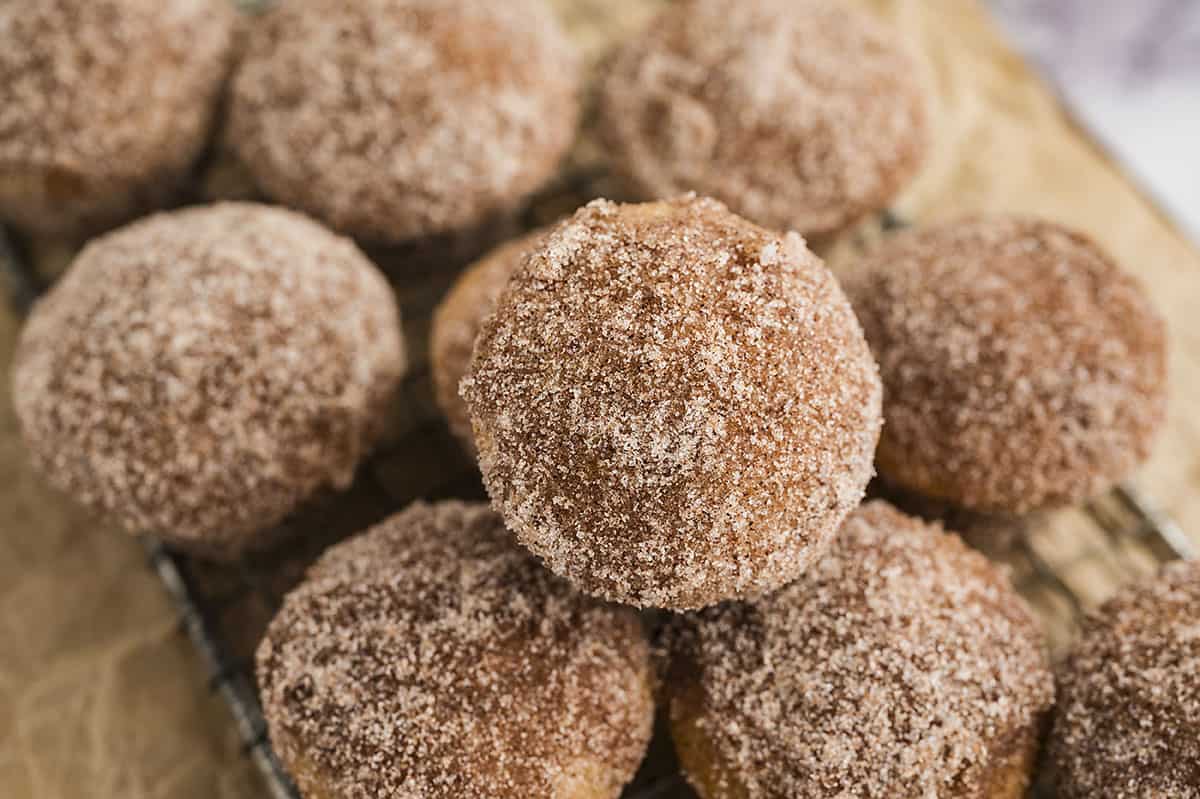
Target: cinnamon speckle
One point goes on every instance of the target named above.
(431, 656)
(398, 119)
(901, 664)
(200, 373)
(1021, 367)
(673, 406)
(1128, 723)
(105, 105)
(799, 114)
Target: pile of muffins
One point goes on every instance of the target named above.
(674, 404)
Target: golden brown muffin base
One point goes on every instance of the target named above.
(891, 460)
(58, 201)
(456, 323)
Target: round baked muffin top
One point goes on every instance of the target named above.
(799, 114)
(1129, 695)
(395, 120)
(902, 663)
(200, 373)
(673, 406)
(1022, 368)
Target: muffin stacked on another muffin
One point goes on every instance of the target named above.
(673, 406)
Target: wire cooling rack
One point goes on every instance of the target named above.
(1063, 563)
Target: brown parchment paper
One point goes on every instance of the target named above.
(101, 696)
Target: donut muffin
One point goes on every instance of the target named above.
(902, 664)
(104, 106)
(799, 114)
(456, 323)
(673, 406)
(396, 120)
(1022, 369)
(1128, 719)
(199, 374)
(432, 657)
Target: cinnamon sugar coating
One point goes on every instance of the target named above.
(902, 664)
(1128, 721)
(432, 657)
(456, 323)
(799, 114)
(673, 406)
(199, 374)
(1022, 368)
(105, 105)
(399, 119)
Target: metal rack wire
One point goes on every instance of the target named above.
(222, 609)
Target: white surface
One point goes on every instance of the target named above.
(1130, 70)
